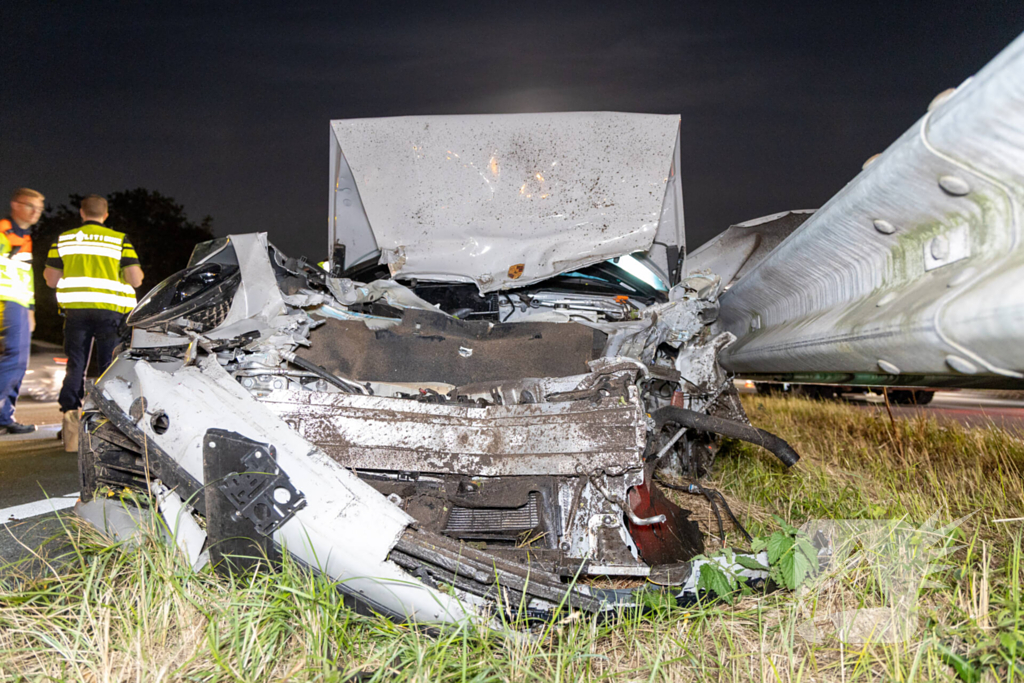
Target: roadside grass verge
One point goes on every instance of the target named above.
(856, 463)
(113, 613)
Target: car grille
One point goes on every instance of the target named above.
(467, 521)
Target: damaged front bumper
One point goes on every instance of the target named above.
(413, 457)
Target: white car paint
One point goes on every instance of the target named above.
(508, 200)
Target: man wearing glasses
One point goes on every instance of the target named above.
(17, 302)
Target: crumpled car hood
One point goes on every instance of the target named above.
(509, 200)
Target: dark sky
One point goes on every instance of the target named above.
(225, 106)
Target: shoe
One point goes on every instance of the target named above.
(17, 428)
(69, 431)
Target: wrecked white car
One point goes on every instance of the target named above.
(480, 400)
(462, 413)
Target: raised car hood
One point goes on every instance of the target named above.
(506, 200)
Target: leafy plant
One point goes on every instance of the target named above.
(791, 559)
(718, 580)
(791, 555)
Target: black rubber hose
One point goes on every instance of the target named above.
(734, 430)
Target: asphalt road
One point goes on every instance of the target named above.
(971, 408)
(36, 478)
(34, 466)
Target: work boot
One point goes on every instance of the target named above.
(69, 431)
(17, 428)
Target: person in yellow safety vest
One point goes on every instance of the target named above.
(95, 271)
(17, 302)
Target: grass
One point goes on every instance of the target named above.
(116, 614)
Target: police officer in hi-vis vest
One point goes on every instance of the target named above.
(17, 302)
(95, 271)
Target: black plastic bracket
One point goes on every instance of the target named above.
(256, 487)
(248, 497)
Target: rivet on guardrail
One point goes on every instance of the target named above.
(884, 227)
(940, 248)
(888, 367)
(888, 298)
(961, 364)
(954, 185)
(962, 277)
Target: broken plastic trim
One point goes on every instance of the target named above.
(160, 465)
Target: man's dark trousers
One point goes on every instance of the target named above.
(82, 328)
(15, 344)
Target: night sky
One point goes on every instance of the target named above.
(225, 106)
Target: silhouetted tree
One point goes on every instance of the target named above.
(156, 225)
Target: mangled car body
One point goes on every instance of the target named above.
(464, 408)
(450, 409)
